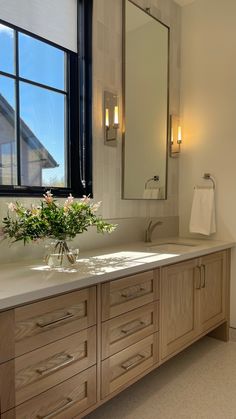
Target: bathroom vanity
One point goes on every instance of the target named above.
(71, 341)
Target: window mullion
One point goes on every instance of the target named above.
(17, 128)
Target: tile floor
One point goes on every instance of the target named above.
(199, 383)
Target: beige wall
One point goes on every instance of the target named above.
(107, 74)
(208, 108)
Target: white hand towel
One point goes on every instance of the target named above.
(155, 193)
(203, 212)
(147, 194)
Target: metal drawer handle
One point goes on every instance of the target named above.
(45, 371)
(128, 294)
(129, 329)
(67, 404)
(203, 276)
(45, 323)
(198, 286)
(131, 363)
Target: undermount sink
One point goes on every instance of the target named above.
(172, 247)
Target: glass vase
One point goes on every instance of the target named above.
(60, 255)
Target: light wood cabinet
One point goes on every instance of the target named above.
(120, 368)
(178, 306)
(46, 321)
(64, 356)
(193, 300)
(212, 308)
(127, 329)
(64, 401)
(128, 293)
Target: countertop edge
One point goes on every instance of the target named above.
(11, 302)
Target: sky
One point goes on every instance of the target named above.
(42, 110)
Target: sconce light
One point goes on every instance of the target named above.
(111, 117)
(175, 136)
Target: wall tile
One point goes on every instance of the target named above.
(107, 74)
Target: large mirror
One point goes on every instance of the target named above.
(145, 104)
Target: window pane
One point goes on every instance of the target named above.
(6, 49)
(41, 62)
(43, 140)
(8, 175)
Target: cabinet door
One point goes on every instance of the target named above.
(178, 306)
(213, 290)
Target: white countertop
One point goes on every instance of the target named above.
(22, 283)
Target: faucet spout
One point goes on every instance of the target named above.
(150, 229)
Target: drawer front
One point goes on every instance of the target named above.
(43, 368)
(126, 294)
(64, 401)
(127, 329)
(44, 322)
(119, 369)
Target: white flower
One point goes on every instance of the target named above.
(12, 207)
(48, 197)
(85, 199)
(69, 201)
(95, 207)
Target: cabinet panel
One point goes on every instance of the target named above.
(7, 386)
(129, 328)
(64, 401)
(123, 295)
(46, 321)
(122, 367)
(213, 290)
(178, 306)
(7, 344)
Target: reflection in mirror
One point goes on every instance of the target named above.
(145, 82)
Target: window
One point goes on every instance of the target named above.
(45, 113)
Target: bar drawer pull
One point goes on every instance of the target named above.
(68, 359)
(133, 327)
(203, 276)
(50, 415)
(133, 362)
(199, 270)
(45, 323)
(129, 294)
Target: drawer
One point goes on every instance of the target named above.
(38, 371)
(126, 294)
(64, 401)
(127, 329)
(43, 368)
(120, 368)
(46, 321)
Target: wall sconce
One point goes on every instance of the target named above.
(111, 117)
(175, 136)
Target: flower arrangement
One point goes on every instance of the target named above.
(50, 219)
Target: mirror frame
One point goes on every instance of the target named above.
(124, 97)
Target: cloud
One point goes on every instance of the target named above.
(6, 30)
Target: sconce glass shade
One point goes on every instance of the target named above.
(107, 123)
(175, 136)
(116, 117)
(111, 117)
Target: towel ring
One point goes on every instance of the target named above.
(207, 176)
(154, 179)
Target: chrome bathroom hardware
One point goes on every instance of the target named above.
(207, 176)
(150, 229)
(154, 179)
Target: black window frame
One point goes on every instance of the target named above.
(79, 110)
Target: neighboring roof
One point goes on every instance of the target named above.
(28, 136)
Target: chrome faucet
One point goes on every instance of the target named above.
(149, 230)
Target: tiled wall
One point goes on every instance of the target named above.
(107, 74)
